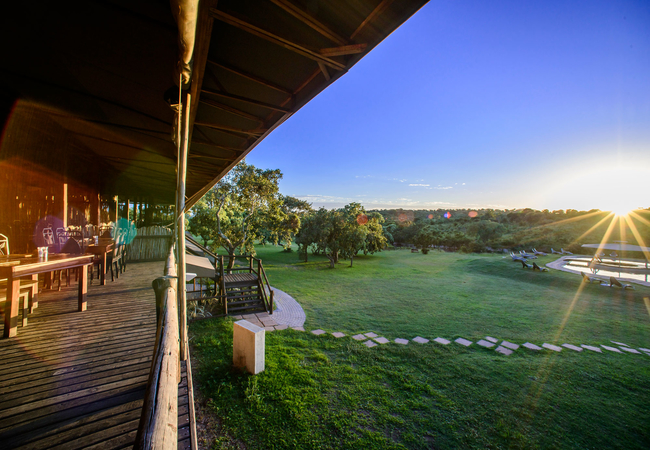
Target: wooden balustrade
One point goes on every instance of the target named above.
(159, 419)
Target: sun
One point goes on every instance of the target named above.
(621, 211)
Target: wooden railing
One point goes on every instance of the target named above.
(267, 292)
(159, 419)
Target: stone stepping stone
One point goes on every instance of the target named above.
(382, 340)
(509, 345)
(371, 335)
(463, 341)
(298, 328)
(401, 341)
(338, 334)
(358, 337)
(647, 350)
(486, 344)
(530, 346)
(611, 349)
(281, 327)
(269, 329)
(420, 340)
(318, 332)
(592, 348)
(442, 341)
(503, 350)
(619, 343)
(572, 347)
(369, 344)
(239, 317)
(555, 348)
(491, 339)
(630, 350)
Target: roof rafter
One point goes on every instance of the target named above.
(311, 21)
(250, 76)
(271, 37)
(246, 100)
(231, 110)
(219, 127)
(344, 50)
(375, 12)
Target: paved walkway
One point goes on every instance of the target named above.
(288, 313)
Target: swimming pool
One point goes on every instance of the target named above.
(625, 269)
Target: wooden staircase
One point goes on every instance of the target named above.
(246, 289)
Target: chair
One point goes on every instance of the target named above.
(4, 245)
(613, 282)
(541, 269)
(116, 258)
(525, 266)
(27, 295)
(48, 236)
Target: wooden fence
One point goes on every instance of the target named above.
(158, 423)
(150, 244)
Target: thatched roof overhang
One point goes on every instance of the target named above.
(83, 82)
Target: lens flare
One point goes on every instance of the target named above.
(472, 214)
(362, 219)
(447, 215)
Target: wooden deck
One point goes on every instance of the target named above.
(73, 379)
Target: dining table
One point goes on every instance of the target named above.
(101, 250)
(16, 267)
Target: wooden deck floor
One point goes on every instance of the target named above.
(76, 379)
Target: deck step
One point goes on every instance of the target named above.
(245, 302)
(246, 308)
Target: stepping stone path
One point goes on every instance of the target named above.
(530, 346)
(631, 350)
(281, 327)
(369, 344)
(442, 341)
(486, 344)
(555, 348)
(318, 332)
(464, 342)
(647, 350)
(611, 349)
(298, 328)
(401, 341)
(371, 335)
(509, 345)
(358, 337)
(572, 347)
(420, 340)
(619, 343)
(382, 340)
(503, 350)
(338, 334)
(269, 329)
(592, 348)
(491, 339)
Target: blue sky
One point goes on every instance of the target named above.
(500, 104)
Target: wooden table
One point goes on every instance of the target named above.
(32, 266)
(101, 250)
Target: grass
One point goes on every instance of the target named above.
(322, 392)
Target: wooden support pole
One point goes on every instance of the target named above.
(180, 223)
(65, 205)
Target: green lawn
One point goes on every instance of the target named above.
(322, 392)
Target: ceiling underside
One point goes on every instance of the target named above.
(97, 72)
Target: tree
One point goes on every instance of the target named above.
(233, 213)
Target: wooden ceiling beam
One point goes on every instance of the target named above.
(375, 12)
(249, 76)
(323, 68)
(232, 110)
(344, 50)
(235, 150)
(267, 35)
(217, 126)
(246, 100)
(311, 21)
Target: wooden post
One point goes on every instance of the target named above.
(180, 223)
(117, 209)
(65, 205)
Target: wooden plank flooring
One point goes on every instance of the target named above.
(72, 379)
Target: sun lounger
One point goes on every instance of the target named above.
(526, 266)
(592, 279)
(613, 282)
(541, 269)
(527, 255)
(555, 252)
(516, 257)
(564, 252)
(535, 251)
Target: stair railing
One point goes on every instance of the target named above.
(222, 286)
(264, 283)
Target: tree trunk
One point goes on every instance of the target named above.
(351, 259)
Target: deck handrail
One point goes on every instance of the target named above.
(158, 422)
(261, 274)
